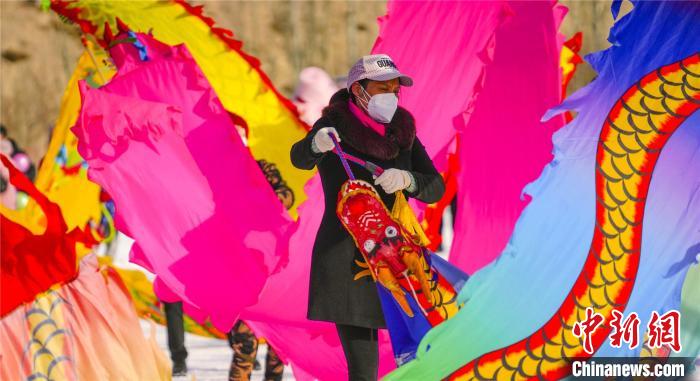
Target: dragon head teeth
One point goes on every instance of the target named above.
(353, 185)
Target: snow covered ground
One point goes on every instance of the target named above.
(208, 359)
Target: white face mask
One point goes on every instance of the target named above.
(381, 107)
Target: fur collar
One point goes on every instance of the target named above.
(399, 134)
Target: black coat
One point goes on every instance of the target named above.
(334, 294)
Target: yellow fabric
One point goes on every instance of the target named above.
(403, 213)
(445, 299)
(21, 217)
(566, 61)
(272, 126)
(77, 196)
(147, 304)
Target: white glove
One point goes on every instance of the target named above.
(393, 180)
(322, 140)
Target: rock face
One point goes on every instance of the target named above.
(289, 36)
(39, 51)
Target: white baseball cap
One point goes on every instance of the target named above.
(376, 67)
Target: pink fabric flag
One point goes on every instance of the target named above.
(203, 216)
(503, 145)
(445, 51)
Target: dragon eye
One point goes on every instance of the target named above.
(390, 231)
(369, 245)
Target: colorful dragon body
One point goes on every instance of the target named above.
(633, 135)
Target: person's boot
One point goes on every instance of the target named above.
(179, 369)
(274, 367)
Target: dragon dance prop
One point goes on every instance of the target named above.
(245, 91)
(62, 177)
(83, 330)
(172, 148)
(636, 137)
(272, 127)
(60, 321)
(417, 290)
(633, 136)
(252, 101)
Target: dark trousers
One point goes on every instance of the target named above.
(176, 332)
(361, 351)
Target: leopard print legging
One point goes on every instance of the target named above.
(245, 349)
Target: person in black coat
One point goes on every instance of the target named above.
(368, 123)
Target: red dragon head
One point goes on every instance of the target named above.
(378, 236)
